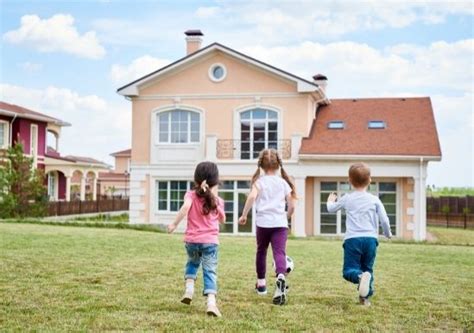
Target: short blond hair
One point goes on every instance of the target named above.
(359, 174)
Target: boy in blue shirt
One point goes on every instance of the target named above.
(363, 213)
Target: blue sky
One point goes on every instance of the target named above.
(66, 58)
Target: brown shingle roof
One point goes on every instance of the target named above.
(410, 128)
(126, 152)
(27, 113)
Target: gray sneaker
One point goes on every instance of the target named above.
(280, 297)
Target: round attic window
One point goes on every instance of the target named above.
(217, 72)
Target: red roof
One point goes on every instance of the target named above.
(410, 128)
(30, 114)
(126, 152)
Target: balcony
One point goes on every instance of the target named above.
(245, 150)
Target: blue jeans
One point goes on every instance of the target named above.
(359, 257)
(205, 254)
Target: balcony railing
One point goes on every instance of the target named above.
(245, 150)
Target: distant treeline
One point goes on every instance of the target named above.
(433, 191)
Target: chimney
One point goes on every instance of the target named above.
(193, 40)
(321, 80)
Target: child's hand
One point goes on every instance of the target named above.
(171, 227)
(243, 220)
(332, 197)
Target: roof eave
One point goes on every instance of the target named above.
(34, 117)
(306, 156)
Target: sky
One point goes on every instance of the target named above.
(67, 58)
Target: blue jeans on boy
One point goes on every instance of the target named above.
(205, 254)
(359, 257)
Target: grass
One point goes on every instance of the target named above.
(123, 218)
(74, 279)
(452, 235)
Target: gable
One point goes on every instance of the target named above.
(302, 85)
(240, 78)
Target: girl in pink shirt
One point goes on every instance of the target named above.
(204, 210)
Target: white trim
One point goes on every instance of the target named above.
(251, 96)
(6, 134)
(367, 157)
(302, 86)
(210, 72)
(32, 147)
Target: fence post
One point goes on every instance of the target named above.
(80, 206)
(58, 210)
(97, 209)
(113, 204)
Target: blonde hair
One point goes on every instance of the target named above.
(269, 159)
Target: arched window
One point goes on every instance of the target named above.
(178, 126)
(258, 131)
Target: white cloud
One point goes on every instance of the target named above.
(30, 67)
(301, 20)
(123, 74)
(207, 12)
(99, 127)
(56, 34)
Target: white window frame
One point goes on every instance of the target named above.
(317, 204)
(235, 224)
(156, 126)
(53, 175)
(189, 185)
(210, 72)
(6, 134)
(237, 126)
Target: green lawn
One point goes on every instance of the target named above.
(71, 279)
(452, 235)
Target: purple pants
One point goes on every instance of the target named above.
(277, 237)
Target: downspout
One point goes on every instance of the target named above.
(11, 129)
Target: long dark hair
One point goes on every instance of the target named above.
(206, 176)
(269, 159)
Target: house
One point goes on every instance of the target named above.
(67, 177)
(115, 182)
(221, 105)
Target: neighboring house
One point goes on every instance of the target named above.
(221, 105)
(116, 182)
(66, 176)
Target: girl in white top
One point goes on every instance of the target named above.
(271, 194)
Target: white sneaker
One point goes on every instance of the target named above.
(279, 297)
(187, 298)
(213, 311)
(364, 284)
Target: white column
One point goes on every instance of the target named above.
(94, 189)
(211, 147)
(422, 218)
(83, 188)
(68, 188)
(299, 219)
(295, 146)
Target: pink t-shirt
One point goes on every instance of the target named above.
(202, 228)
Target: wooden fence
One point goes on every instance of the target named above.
(455, 212)
(86, 207)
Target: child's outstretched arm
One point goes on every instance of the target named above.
(183, 212)
(332, 205)
(383, 218)
(248, 204)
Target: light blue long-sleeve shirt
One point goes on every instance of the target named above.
(363, 213)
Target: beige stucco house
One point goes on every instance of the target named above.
(116, 182)
(221, 105)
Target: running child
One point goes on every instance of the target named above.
(364, 211)
(204, 210)
(271, 193)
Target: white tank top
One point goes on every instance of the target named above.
(271, 201)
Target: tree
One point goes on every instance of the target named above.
(22, 190)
